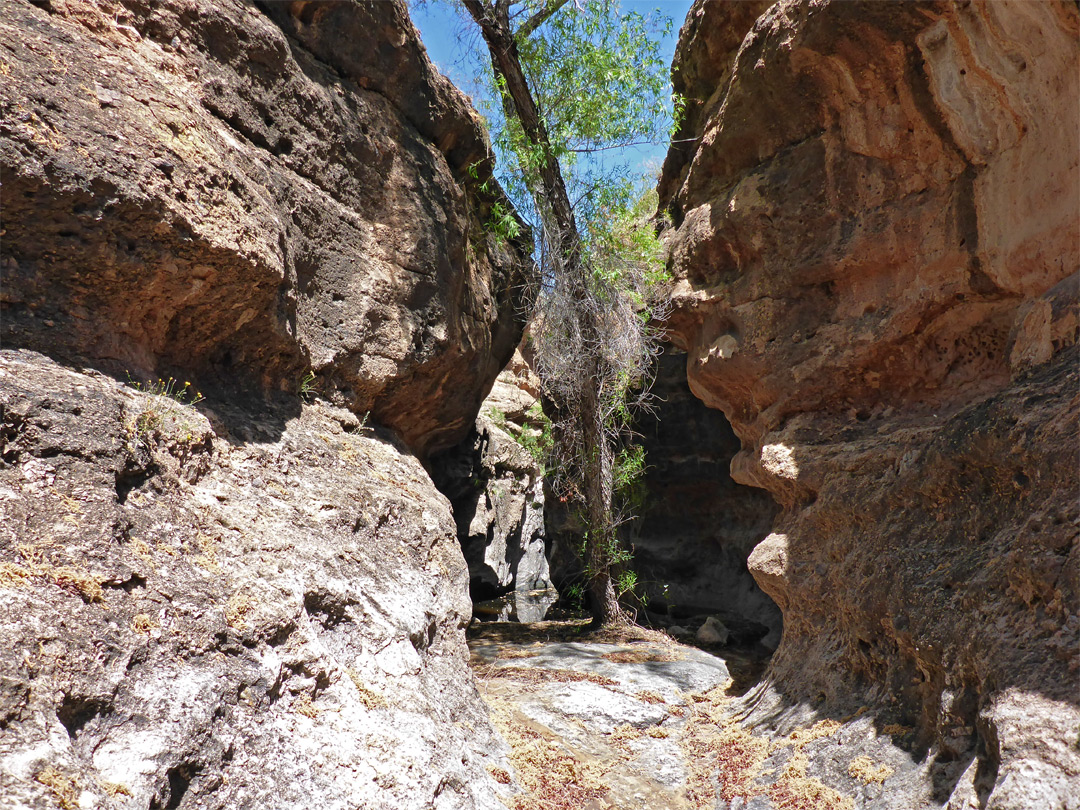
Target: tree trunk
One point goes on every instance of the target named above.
(552, 199)
(597, 465)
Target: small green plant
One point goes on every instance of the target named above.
(170, 389)
(627, 583)
(502, 223)
(359, 429)
(307, 388)
(537, 441)
(575, 594)
(167, 393)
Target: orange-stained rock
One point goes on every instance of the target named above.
(876, 240)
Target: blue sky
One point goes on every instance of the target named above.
(448, 40)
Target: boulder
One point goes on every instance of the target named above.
(712, 631)
(231, 582)
(270, 615)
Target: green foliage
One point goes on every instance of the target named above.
(627, 583)
(535, 436)
(503, 223)
(362, 426)
(597, 74)
(629, 472)
(307, 388)
(600, 82)
(584, 78)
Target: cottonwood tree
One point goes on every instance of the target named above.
(573, 81)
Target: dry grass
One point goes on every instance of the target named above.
(236, 611)
(578, 630)
(508, 654)
(78, 580)
(114, 788)
(14, 576)
(639, 656)
(553, 778)
(725, 760)
(371, 700)
(801, 793)
(897, 730)
(144, 623)
(208, 556)
(717, 745)
(802, 736)
(65, 789)
(71, 578)
(305, 706)
(654, 698)
(867, 771)
(540, 675)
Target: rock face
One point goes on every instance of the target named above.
(258, 601)
(285, 187)
(876, 238)
(496, 489)
(697, 526)
(266, 617)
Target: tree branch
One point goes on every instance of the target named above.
(538, 19)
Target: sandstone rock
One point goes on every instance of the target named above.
(191, 618)
(496, 489)
(251, 190)
(515, 392)
(875, 240)
(635, 667)
(712, 632)
(259, 602)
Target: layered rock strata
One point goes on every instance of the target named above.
(875, 236)
(256, 599)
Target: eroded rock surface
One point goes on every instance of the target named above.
(622, 723)
(258, 601)
(496, 488)
(241, 192)
(697, 525)
(269, 616)
(876, 241)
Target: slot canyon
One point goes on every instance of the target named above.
(275, 530)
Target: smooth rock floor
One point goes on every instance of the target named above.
(636, 721)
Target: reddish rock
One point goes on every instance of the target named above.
(241, 193)
(875, 240)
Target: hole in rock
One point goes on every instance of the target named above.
(180, 779)
(76, 711)
(130, 479)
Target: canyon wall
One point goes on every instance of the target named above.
(697, 526)
(496, 488)
(874, 231)
(256, 598)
